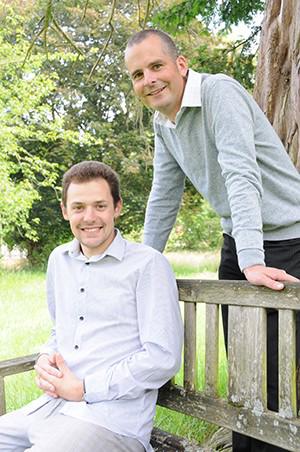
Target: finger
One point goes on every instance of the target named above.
(50, 370)
(60, 363)
(270, 283)
(280, 275)
(44, 385)
(44, 375)
(288, 278)
(51, 394)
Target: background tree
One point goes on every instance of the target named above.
(277, 87)
(89, 110)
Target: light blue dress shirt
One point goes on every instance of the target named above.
(117, 323)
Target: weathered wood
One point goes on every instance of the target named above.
(287, 364)
(2, 397)
(247, 357)
(245, 411)
(238, 293)
(165, 442)
(211, 349)
(190, 337)
(17, 365)
(267, 426)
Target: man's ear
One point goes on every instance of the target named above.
(118, 208)
(182, 65)
(64, 211)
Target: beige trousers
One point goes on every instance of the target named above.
(46, 430)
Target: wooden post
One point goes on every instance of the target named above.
(211, 349)
(287, 364)
(247, 356)
(190, 362)
(2, 397)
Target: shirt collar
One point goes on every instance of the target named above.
(191, 97)
(116, 249)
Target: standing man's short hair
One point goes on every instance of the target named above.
(165, 38)
(89, 170)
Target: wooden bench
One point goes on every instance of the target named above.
(244, 409)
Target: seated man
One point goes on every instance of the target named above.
(117, 332)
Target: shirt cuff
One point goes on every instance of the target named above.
(96, 387)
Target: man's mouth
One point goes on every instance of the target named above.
(156, 91)
(93, 229)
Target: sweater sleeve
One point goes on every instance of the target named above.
(233, 113)
(165, 196)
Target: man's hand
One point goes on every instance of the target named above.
(61, 383)
(47, 363)
(268, 276)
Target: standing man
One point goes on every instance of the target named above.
(117, 332)
(209, 129)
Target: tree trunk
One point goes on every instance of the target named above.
(277, 86)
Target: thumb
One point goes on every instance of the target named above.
(60, 362)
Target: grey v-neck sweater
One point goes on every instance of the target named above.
(226, 146)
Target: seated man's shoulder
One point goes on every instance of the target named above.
(145, 252)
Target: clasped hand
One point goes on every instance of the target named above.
(56, 379)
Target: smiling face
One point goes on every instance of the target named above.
(158, 78)
(91, 212)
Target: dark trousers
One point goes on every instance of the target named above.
(285, 255)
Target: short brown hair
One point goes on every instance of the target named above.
(164, 37)
(89, 170)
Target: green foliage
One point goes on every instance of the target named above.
(63, 105)
(211, 12)
(197, 226)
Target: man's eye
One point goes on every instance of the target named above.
(137, 76)
(157, 66)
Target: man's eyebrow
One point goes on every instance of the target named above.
(77, 203)
(152, 63)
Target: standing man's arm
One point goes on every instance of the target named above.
(165, 197)
(233, 126)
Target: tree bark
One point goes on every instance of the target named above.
(277, 86)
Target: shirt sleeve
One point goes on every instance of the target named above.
(165, 196)
(161, 337)
(233, 113)
(50, 346)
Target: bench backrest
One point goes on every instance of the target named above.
(244, 409)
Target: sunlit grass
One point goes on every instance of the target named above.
(25, 326)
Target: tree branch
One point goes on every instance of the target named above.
(108, 39)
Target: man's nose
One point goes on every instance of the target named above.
(149, 77)
(89, 214)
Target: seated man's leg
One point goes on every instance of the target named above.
(13, 432)
(61, 433)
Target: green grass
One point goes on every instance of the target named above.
(25, 325)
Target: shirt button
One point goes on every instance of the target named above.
(81, 317)
(82, 289)
(76, 347)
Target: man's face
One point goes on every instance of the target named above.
(158, 79)
(91, 212)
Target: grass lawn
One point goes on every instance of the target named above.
(25, 325)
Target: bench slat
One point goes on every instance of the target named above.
(247, 357)
(211, 349)
(267, 426)
(190, 361)
(239, 293)
(287, 364)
